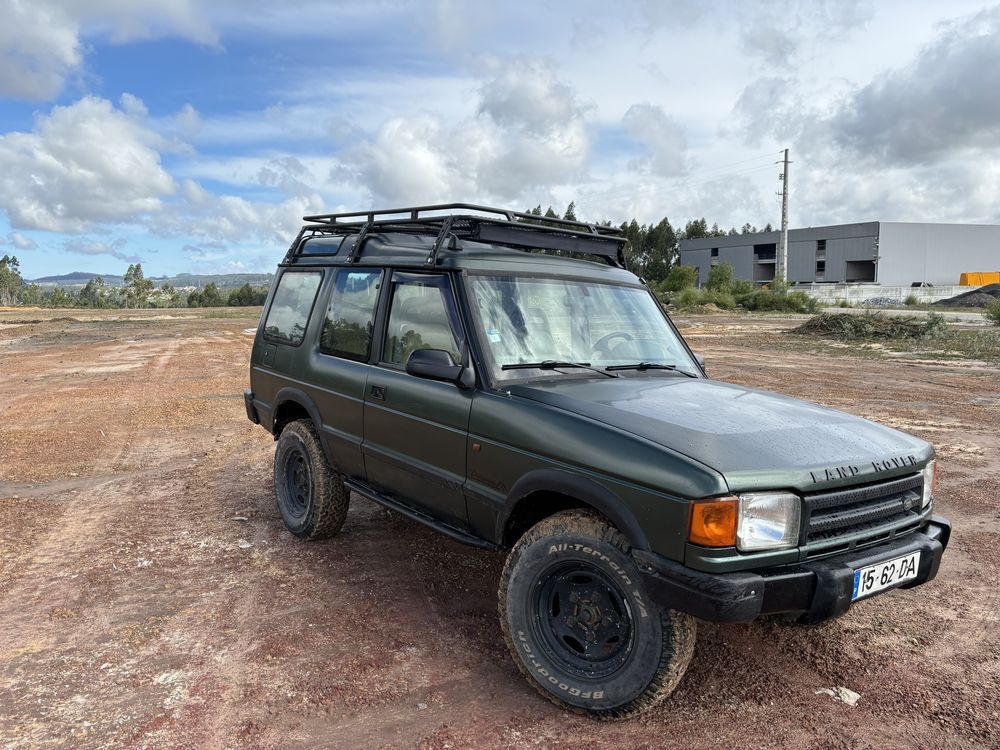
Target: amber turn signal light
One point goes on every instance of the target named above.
(713, 522)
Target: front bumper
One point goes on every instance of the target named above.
(815, 590)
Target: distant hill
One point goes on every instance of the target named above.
(221, 280)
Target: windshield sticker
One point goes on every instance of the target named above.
(493, 335)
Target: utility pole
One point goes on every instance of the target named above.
(782, 269)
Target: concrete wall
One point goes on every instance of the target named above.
(860, 294)
(935, 253)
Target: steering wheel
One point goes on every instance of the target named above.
(602, 344)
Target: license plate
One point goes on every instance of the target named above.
(875, 578)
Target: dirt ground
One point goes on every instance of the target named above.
(150, 598)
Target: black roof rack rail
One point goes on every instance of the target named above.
(496, 226)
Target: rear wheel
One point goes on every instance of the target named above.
(312, 499)
(579, 625)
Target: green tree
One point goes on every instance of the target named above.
(571, 212)
(210, 296)
(137, 286)
(59, 297)
(550, 214)
(680, 277)
(11, 283)
(32, 295)
(247, 296)
(659, 251)
(167, 296)
(92, 295)
(696, 229)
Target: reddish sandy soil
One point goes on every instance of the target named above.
(150, 597)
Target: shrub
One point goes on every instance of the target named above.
(722, 299)
(742, 287)
(720, 278)
(687, 297)
(911, 299)
(765, 300)
(680, 277)
(992, 311)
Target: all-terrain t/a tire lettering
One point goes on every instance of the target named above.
(578, 622)
(311, 497)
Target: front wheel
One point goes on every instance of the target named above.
(579, 625)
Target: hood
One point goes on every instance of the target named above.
(755, 439)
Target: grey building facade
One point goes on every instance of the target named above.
(887, 253)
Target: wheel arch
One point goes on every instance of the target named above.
(291, 404)
(541, 493)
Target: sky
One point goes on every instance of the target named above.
(193, 136)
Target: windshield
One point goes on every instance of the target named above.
(529, 320)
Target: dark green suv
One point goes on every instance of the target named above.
(505, 380)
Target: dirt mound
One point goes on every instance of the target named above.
(976, 298)
(868, 326)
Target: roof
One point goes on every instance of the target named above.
(458, 235)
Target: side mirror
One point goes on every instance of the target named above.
(434, 364)
(700, 359)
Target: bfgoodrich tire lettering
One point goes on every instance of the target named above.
(579, 625)
(312, 500)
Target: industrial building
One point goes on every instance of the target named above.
(876, 252)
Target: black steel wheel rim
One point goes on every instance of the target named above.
(298, 481)
(583, 620)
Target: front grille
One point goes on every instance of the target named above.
(844, 519)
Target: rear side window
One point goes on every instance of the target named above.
(347, 329)
(289, 313)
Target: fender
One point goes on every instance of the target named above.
(580, 488)
(297, 396)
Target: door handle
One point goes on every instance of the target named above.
(377, 392)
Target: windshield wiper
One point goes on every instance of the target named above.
(555, 364)
(651, 366)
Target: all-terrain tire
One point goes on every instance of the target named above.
(579, 624)
(312, 499)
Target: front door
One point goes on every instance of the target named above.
(415, 429)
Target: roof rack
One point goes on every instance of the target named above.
(451, 223)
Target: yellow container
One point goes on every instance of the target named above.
(979, 278)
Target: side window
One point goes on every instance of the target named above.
(293, 301)
(347, 329)
(418, 319)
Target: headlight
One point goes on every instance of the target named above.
(768, 520)
(930, 482)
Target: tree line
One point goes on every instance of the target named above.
(136, 291)
(654, 248)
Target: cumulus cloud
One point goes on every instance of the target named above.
(527, 133)
(526, 94)
(39, 48)
(83, 163)
(84, 246)
(946, 99)
(660, 135)
(288, 174)
(21, 242)
(41, 40)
